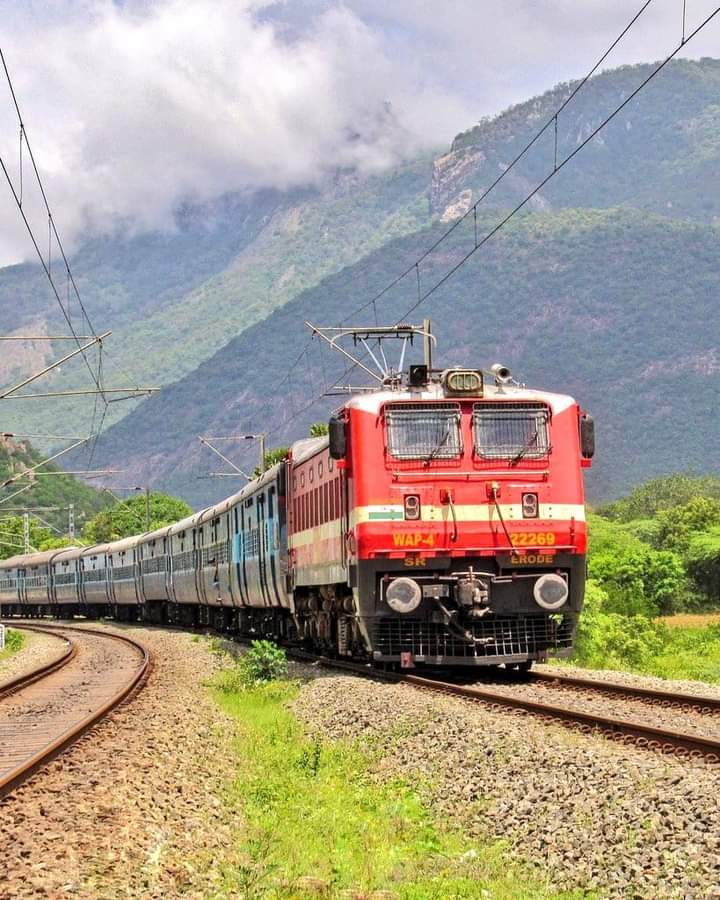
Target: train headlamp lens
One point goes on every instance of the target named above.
(412, 507)
(550, 592)
(530, 506)
(403, 595)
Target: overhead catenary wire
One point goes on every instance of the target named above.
(557, 167)
(18, 196)
(551, 122)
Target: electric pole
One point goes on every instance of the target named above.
(26, 532)
(71, 521)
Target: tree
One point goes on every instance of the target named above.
(703, 563)
(11, 536)
(319, 429)
(662, 494)
(636, 579)
(276, 455)
(677, 526)
(130, 517)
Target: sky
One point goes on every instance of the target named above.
(135, 108)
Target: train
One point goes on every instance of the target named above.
(440, 522)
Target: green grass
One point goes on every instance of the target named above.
(316, 821)
(649, 647)
(688, 652)
(14, 641)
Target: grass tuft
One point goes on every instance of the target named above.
(14, 641)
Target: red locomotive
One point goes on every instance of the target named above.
(442, 523)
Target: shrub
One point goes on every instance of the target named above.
(263, 663)
(13, 640)
(609, 640)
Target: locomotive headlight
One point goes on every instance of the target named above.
(403, 595)
(550, 592)
(530, 506)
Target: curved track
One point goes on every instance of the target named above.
(678, 741)
(45, 711)
(67, 652)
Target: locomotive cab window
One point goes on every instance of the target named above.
(424, 431)
(511, 431)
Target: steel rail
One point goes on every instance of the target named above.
(16, 776)
(664, 740)
(631, 691)
(15, 684)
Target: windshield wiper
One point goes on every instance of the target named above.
(433, 453)
(528, 444)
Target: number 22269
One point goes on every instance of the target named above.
(533, 539)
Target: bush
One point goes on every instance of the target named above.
(610, 640)
(263, 663)
(13, 640)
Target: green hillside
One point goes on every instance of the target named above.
(612, 306)
(661, 154)
(173, 300)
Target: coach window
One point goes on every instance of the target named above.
(302, 479)
(320, 470)
(312, 474)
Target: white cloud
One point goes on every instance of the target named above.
(136, 107)
(132, 110)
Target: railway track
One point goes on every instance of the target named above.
(680, 741)
(46, 710)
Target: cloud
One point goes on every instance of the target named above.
(136, 107)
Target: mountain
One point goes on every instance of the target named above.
(604, 286)
(173, 299)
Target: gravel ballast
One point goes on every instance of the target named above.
(37, 650)
(592, 813)
(133, 809)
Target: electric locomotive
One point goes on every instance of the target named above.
(439, 523)
(443, 523)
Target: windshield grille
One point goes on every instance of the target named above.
(511, 431)
(424, 431)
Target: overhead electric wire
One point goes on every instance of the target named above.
(52, 231)
(51, 221)
(531, 143)
(685, 39)
(473, 209)
(561, 165)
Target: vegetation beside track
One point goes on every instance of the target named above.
(654, 587)
(318, 821)
(14, 641)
